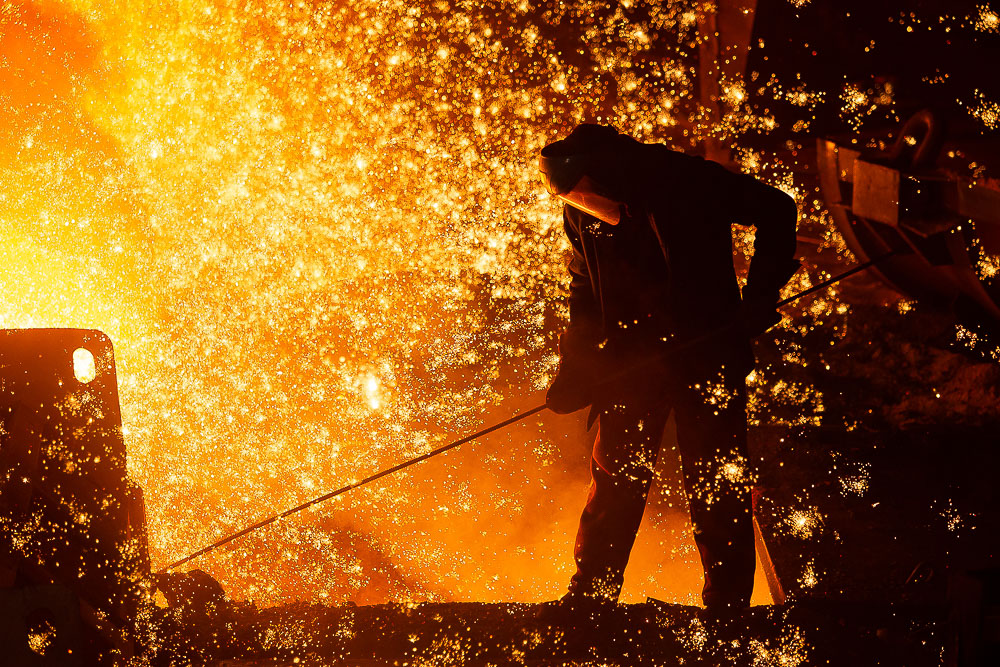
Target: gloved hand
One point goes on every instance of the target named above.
(581, 367)
(572, 390)
(758, 312)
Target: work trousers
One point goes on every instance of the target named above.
(711, 435)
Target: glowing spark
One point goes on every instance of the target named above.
(804, 523)
(809, 578)
(987, 20)
(40, 640)
(310, 233)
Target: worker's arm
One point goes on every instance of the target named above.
(585, 330)
(574, 385)
(774, 214)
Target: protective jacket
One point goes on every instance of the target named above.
(666, 272)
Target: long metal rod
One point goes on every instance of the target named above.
(836, 279)
(490, 429)
(406, 464)
(680, 346)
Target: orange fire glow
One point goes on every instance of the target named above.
(315, 236)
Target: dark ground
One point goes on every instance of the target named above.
(804, 633)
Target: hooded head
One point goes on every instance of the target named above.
(588, 170)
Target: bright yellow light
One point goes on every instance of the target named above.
(315, 245)
(732, 472)
(84, 367)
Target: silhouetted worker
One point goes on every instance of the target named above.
(652, 265)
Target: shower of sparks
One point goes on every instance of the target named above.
(804, 523)
(39, 640)
(722, 478)
(984, 110)
(856, 484)
(988, 20)
(315, 235)
(715, 394)
(809, 578)
(976, 342)
(988, 266)
(790, 650)
(954, 519)
(859, 103)
(769, 390)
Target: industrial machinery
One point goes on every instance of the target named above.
(73, 550)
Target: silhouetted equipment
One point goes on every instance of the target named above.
(194, 593)
(884, 200)
(974, 621)
(72, 527)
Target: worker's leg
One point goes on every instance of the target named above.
(712, 438)
(622, 468)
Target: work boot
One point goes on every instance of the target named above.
(724, 622)
(575, 611)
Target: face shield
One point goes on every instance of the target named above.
(586, 195)
(566, 178)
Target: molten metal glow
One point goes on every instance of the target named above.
(314, 235)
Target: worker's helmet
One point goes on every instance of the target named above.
(585, 170)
